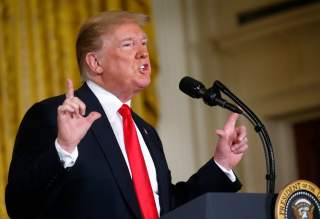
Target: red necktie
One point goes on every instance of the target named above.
(140, 177)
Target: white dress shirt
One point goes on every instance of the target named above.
(111, 105)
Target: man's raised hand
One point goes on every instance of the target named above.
(72, 125)
(232, 143)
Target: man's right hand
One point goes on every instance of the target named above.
(72, 125)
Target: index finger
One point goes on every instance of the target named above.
(231, 121)
(70, 90)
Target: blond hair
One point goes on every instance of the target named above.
(90, 35)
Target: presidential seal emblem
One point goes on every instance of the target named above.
(298, 200)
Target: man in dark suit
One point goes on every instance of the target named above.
(71, 157)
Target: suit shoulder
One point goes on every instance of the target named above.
(40, 116)
(51, 101)
(47, 108)
(44, 107)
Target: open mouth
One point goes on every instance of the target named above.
(143, 68)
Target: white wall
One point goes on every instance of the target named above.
(273, 65)
(175, 125)
(186, 125)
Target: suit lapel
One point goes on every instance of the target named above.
(158, 160)
(103, 132)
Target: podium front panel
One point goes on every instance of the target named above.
(226, 206)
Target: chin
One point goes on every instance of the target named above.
(144, 83)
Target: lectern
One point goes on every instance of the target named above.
(226, 206)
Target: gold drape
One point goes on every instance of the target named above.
(37, 54)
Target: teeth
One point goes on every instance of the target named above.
(142, 67)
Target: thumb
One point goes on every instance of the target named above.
(220, 133)
(93, 116)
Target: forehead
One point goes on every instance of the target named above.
(125, 31)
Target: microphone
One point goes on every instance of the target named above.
(211, 96)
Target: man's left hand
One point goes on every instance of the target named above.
(232, 143)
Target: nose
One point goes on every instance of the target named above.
(142, 53)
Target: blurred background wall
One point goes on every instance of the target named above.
(267, 52)
(37, 55)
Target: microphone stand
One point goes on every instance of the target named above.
(261, 130)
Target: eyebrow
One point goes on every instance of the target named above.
(132, 38)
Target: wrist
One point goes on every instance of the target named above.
(67, 146)
(222, 163)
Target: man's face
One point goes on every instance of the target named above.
(124, 59)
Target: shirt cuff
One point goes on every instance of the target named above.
(67, 159)
(229, 173)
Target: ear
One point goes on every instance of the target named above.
(93, 63)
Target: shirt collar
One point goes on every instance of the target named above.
(110, 103)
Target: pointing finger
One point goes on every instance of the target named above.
(231, 121)
(70, 90)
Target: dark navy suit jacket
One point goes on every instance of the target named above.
(99, 184)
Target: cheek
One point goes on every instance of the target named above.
(127, 68)
(122, 66)
(116, 66)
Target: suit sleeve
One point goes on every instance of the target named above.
(209, 178)
(35, 168)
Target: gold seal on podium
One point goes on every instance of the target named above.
(299, 200)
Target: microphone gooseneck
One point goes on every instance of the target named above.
(212, 97)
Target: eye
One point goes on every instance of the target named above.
(145, 42)
(127, 43)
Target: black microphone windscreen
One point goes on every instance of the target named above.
(191, 87)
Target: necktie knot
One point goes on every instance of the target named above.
(125, 111)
